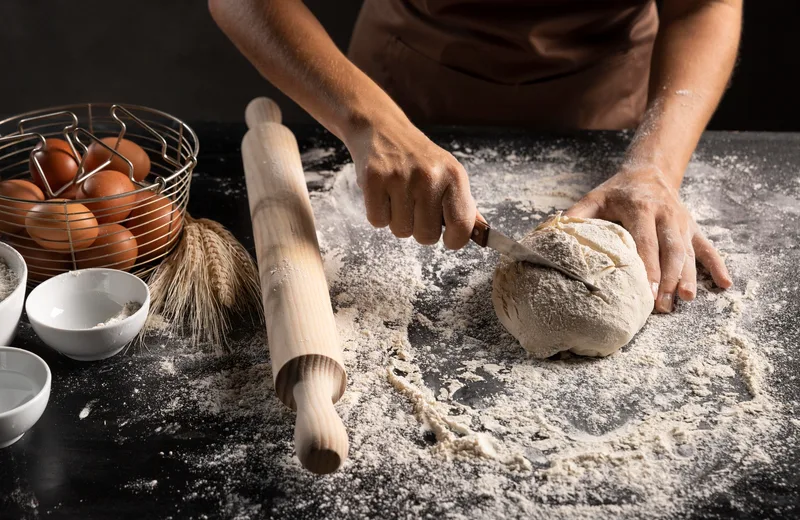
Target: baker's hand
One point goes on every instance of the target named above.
(412, 185)
(667, 237)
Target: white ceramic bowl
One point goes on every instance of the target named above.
(24, 392)
(68, 311)
(11, 307)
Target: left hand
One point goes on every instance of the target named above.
(667, 237)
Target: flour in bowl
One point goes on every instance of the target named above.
(8, 280)
(128, 310)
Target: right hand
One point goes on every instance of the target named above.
(667, 237)
(412, 185)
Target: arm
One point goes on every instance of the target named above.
(693, 58)
(409, 183)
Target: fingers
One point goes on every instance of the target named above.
(427, 213)
(417, 199)
(672, 254)
(687, 286)
(587, 207)
(709, 257)
(402, 204)
(376, 200)
(644, 234)
(460, 213)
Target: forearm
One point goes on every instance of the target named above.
(693, 58)
(408, 182)
(290, 48)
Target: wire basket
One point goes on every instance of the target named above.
(133, 230)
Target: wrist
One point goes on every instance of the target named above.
(368, 116)
(641, 156)
(648, 175)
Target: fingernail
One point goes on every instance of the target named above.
(691, 288)
(654, 288)
(665, 302)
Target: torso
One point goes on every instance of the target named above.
(547, 63)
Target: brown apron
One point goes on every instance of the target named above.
(539, 63)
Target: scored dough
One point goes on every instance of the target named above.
(549, 313)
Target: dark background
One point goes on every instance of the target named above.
(171, 56)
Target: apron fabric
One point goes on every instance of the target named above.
(555, 64)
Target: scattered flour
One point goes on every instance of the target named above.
(168, 366)
(142, 485)
(449, 417)
(86, 410)
(313, 155)
(636, 432)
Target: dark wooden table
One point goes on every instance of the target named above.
(66, 467)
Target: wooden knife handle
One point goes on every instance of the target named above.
(480, 233)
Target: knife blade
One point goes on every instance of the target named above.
(485, 236)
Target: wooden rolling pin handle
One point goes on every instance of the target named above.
(261, 110)
(320, 437)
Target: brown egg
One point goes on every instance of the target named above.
(70, 193)
(115, 247)
(105, 184)
(57, 162)
(12, 214)
(156, 223)
(97, 155)
(57, 226)
(42, 263)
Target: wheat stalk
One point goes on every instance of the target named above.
(208, 277)
(220, 275)
(247, 283)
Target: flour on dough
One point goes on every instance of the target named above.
(549, 313)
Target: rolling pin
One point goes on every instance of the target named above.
(307, 364)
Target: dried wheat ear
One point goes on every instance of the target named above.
(207, 280)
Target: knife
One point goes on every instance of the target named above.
(485, 236)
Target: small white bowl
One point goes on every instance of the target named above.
(24, 392)
(11, 307)
(69, 312)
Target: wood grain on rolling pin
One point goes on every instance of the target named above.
(306, 356)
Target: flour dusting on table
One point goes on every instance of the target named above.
(448, 416)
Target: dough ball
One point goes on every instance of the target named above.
(549, 313)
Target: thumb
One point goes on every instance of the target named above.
(587, 207)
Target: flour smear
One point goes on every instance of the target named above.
(449, 417)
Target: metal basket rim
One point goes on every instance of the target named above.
(193, 142)
(88, 106)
